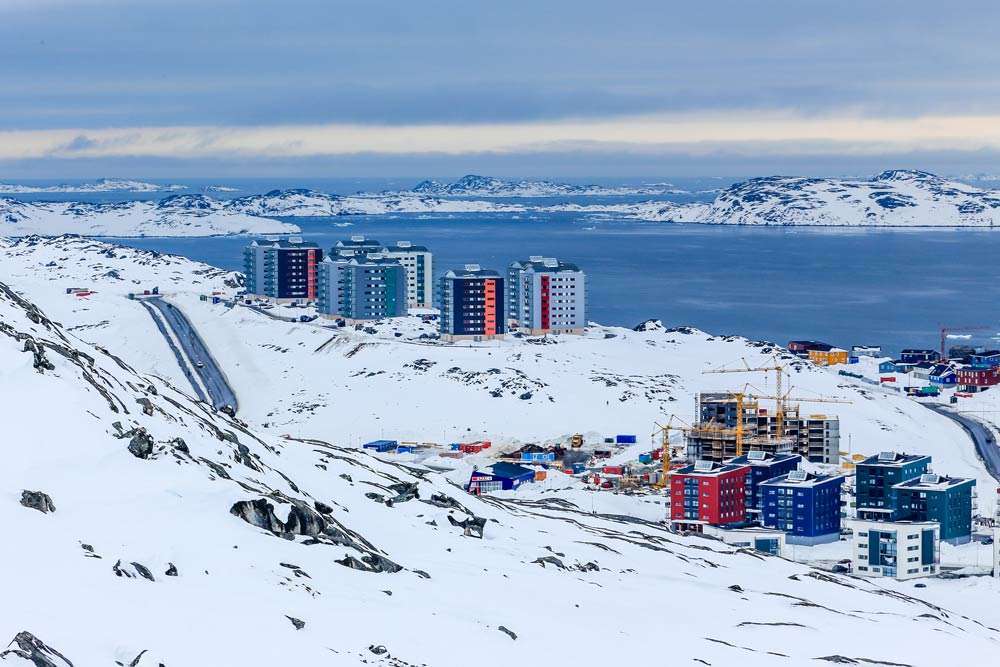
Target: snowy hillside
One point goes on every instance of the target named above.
(473, 185)
(355, 386)
(177, 215)
(100, 185)
(897, 198)
(143, 529)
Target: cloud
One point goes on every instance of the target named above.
(762, 133)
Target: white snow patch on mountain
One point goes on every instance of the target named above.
(474, 185)
(177, 215)
(100, 185)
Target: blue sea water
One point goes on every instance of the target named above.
(845, 286)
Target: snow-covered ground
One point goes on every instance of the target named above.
(183, 537)
(177, 215)
(100, 185)
(352, 386)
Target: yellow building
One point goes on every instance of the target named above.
(834, 355)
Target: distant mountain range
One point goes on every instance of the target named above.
(897, 198)
(100, 185)
(474, 185)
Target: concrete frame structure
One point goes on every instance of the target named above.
(897, 549)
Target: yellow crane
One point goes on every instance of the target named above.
(779, 373)
(663, 430)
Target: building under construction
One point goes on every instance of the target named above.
(723, 433)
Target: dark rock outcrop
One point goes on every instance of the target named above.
(472, 527)
(299, 624)
(258, 513)
(141, 444)
(30, 647)
(37, 500)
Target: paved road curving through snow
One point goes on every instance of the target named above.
(196, 361)
(983, 438)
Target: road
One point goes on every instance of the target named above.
(196, 358)
(983, 438)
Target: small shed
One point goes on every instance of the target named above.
(381, 445)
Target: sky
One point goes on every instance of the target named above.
(578, 88)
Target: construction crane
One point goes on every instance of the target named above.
(945, 330)
(664, 432)
(779, 372)
(783, 400)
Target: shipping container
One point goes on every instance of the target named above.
(540, 475)
(645, 458)
(625, 439)
(613, 470)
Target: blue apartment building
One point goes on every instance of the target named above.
(804, 505)
(364, 287)
(283, 270)
(877, 477)
(946, 500)
(763, 466)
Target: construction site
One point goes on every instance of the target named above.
(731, 423)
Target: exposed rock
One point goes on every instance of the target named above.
(296, 622)
(143, 571)
(41, 362)
(30, 647)
(322, 508)
(473, 526)
(258, 513)
(179, 445)
(551, 560)
(447, 502)
(147, 405)
(141, 444)
(37, 500)
(171, 570)
(378, 650)
(507, 632)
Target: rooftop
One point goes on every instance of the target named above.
(758, 458)
(510, 470)
(800, 478)
(932, 482)
(290, 242)
(544, 264)
(893, 459)
(406, 246)
(358, 241)
(708, 468)
(472, 271)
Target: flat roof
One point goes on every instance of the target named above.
(703, 469)
(768, 458)
(897, 460)
(810, 480)
(932, 482)
(545, 264)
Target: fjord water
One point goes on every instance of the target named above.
(845, 286)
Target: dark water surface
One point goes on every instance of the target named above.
(893, 288)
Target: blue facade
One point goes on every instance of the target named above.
(499, 476)
(381, 445)
(472, 303)
(876, 479)
(284, 269)
(937, 498)
(887, 367)
(990, 359)
(762, 468)
(912, 356)
(362, 288)
(808, 510)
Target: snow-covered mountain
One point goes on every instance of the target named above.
(473, 185)
(100, 185)
(897, 198)
(176, 215)
(310, 203)
(143, 528)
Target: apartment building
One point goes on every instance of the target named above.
(546, 295)
(284, 270)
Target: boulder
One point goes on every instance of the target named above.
(37, 500)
